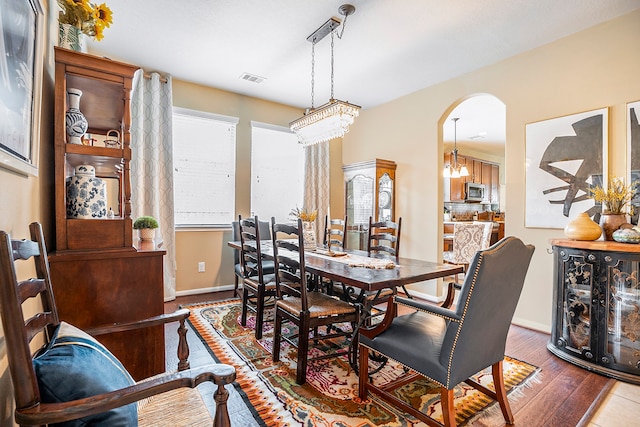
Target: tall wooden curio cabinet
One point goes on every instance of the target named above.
(100, 273)
(369, 192)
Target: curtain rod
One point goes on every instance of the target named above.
(148, 76)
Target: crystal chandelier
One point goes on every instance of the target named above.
(455, 170)
(331, 120)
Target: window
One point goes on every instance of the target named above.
(204, 160)
(277, 172)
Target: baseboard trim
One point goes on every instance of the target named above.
(204, 290)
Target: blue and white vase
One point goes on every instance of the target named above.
(74, 119)
(86, 194)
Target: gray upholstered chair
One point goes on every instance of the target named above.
(449, 346)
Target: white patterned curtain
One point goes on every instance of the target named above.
(316, 183)
(152, 164)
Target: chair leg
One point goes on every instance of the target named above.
(303, 349)
(235, 288)
(448, 408)
(363, 376)
(245, 301)
(259, 312)
(501, 393)
(277, 335)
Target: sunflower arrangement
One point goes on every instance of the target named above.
(616, 197)
(90, 18)
(303, 215)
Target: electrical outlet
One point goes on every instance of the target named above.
(201, 267)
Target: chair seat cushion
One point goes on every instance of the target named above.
(269, 282)
(320, 305)
(73, 366)
(399, 343)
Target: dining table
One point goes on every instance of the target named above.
(368, 273)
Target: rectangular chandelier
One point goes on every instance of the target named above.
(329, 121)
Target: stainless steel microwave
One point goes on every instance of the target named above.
(474, 192)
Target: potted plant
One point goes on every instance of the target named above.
(615, 200)
(146, 226)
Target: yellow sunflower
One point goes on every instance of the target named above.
(103, 16)
(99, 32)
(80, 4)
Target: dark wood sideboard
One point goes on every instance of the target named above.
(596, 300)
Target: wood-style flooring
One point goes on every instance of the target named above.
(564, 394)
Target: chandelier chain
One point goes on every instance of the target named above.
(332, 63)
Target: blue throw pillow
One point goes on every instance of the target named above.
(73, 366)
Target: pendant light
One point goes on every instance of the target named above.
(455, 170)
(331, 120)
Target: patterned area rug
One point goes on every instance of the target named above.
(330, 396)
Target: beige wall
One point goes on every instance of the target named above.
(24, 199)
(210, 245)
(592, 69)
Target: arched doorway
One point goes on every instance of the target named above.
(479, 136)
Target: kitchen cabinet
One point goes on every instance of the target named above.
(370, 191)
(595, 307)
(481, 172)
(99, 273)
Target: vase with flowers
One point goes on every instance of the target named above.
(616, 203)
(80, 18)
(308, 219)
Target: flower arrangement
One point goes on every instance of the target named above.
(145, 222)
(90, 18)
(616, 197)
(303, 215)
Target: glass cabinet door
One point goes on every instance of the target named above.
(622, 314)
(578, 315)
(385, 198)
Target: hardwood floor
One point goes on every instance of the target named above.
(562, 395)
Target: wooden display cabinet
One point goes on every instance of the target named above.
(99, 275)
(370, 191)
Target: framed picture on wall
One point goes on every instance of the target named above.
(565, 157)
(21, 44)
(633, 154)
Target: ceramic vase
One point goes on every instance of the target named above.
(610, 223)
(309, 235)
(75, 121)
(71, 37)
(86, 194)
(582, 227)
(147, 233)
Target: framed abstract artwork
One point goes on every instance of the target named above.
(565, 157)
(21, 45)
(633, 154)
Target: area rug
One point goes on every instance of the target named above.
(330, 396)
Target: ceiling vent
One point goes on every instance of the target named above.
(252, 78)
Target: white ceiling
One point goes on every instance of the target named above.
(389, 48)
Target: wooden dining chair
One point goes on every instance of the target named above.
(448, 346)
(384, 239)
(72, 376)
(306, 309)
(335, 233)
(257, 286)
(267, 266)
